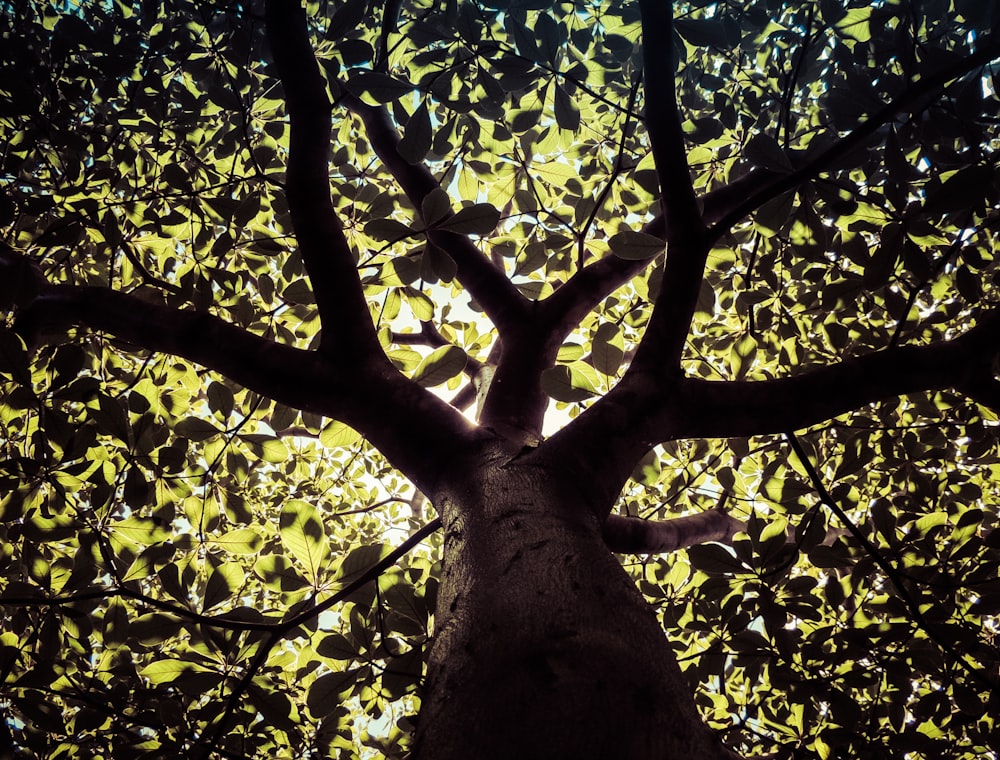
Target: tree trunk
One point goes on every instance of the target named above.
(544, 647)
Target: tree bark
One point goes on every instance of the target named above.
(544, 648)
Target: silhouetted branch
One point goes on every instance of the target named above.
(502, 302)
(323, 245)
(682, 218)
(912, 97)
(895, 578)
(634, 535)
(369, 395)
(564, 309)
(740, 408)
(646, 409)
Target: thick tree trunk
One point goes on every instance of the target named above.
(544, 647)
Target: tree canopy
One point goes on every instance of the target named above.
(238, 245)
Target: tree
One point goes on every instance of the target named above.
(274, 276)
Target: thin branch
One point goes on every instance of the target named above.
(912, 98)
(214, 621)
(322, 243)
(281, 630)
(582, 292)
(793, 77)
(633, 535)
(503, 303)
(891, 573)
(612, 178)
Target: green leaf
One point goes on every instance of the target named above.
(337, 647)
(607, 352)
(338, 434)
(239, 541)
(763, 150)
(165, 671)
(479, 219)
(224, 581)
(347, 18)
(278, 574)
(387, 229)
(714, 560)
(435, 207)
(567, 383)
(742, 356)
(304, 537)
(882, 263)
(570, 352)
(220, 399)
(14, 357)
(440, 365)
(566, 109)
(420, 304)
(196, 429)
(636, 246)
(359, 561)
(381, 87)
(266, 447)
(324, 693)
(647, 471)
(417, 136)
(855, 24)
(441, 262)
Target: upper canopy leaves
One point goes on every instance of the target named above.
(169, 513)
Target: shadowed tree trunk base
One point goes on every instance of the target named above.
(544, 648)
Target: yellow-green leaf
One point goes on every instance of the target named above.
(240, 541)
(440, 365)
(337, 434)
(304, 536)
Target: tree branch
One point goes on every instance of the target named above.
(347, 325)
(727, 409)
(726, 205)
(895, 577)
(687, 245)
(634, 535)
(503, 303)
(646, 409)
(911, 98)
(565, 309)
(370, 396)
(582, 292)
(682, 218)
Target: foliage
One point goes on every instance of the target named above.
(167, 533)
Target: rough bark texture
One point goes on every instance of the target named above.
(544, 647)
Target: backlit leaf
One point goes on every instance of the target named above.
(304, 536)
(635, 245)
(440, 365)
